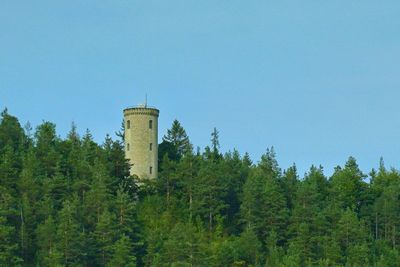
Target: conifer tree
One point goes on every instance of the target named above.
(9, 249)
(348, 186)
(48, 253)
(178, 138)
(96, 201)
(121, 253)
(187, 174)
(104, 235)
(168, 178)
(185, 246)
(264, 205)
(68, 236)
(11, 133)
(46, 143)
(209, 193)
(289, 185)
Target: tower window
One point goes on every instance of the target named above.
(127, 146)
(128, 124)
(151, 146)
(150, 124)
(151, 170)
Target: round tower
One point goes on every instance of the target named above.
(141, 140)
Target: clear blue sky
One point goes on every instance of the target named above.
(318, 80)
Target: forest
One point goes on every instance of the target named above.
(71, 202)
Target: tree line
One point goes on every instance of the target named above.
(71, 202)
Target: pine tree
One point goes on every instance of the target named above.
(12, 143)
(187, 175)
(125, 210)
(185, 246)
(308, 212)
(236, 173)
(349, 231)
(178, 138)
(104, 235)
(264, 206)
(215, 142)
(358, 255)
(347, 190)
(68, 236)
(301, 246)
(27, 224)
(252, 203)
(46, 149)
(121, 253)
(331, 254)
(96, 200)
(11, 133)
(168, 179)
(9, 170)
(209, 193)
(48, 253)
(248, 249)
(274, 256)
(9, 248)
(289, 184)
(117, 165)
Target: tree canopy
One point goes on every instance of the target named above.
(71, 202)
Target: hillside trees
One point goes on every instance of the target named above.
(71, 202)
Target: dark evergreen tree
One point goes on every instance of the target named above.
(48, 253)
(176, 142)
(9, 248)
(69, 236)
(46, 149)
(348, 187)
(264, 206)
(121, 253)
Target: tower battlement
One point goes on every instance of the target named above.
(139, 110)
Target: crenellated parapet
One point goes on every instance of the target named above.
(141, 111)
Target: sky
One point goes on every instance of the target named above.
(317, 80)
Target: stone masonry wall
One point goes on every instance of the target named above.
(138, 139)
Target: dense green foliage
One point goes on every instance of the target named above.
(71, 202)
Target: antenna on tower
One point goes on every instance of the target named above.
(145, 101)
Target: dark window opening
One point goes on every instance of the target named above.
(151, 146)
(127, 147)
(128, 124)
(150, 124)
(151, 170)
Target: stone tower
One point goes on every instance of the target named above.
(141, 140)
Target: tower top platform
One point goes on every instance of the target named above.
(141, 110)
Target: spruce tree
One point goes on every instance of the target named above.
(121, 253)
(178, 138)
